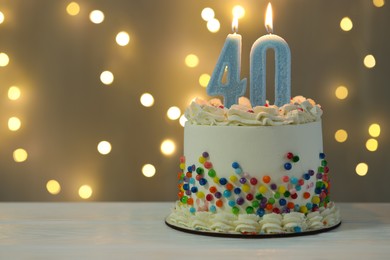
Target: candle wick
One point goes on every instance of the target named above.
(269, 29)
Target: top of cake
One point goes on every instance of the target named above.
(299, 111)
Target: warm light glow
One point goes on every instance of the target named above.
(204, 80)
(14, 124)
(369, 61)
(167, 147)
(107, 77)
(20, 155)
(341, 92)
(14, 93)
(191, 60)
(96, 16)
(73, 8)
(238, 11)
(372, 145)
(378, 3)
(122, 38)
(183, 120)
(341, 135)
(85, 192)
(173, 113)
(4, 59)
(213, 25)
(53, 187)
(147, 100)
(1, 17)
(148, 170)
(346, 24)
(361, 169)
(207, 14)
(104, 147)
(235, 25)
(268, 19)
(374, 130)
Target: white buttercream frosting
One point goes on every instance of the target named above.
(299, 111)
(270, 223)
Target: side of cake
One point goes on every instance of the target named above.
(258, 170)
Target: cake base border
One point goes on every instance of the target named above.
(240, 235)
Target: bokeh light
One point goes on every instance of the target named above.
(204, 80)
(104, 147)
(207, 14)
(346, 24)
(4, 59)
(2, 17)
(183, 120)
(341, 135)
(374, 130)
(238, 11)
(148, 170)
(53, 187)
(96, 16)
(372, 145)
(378, 3)
(85, 192)
(361, 169)
(20, 155)
(14, 93)
(191, 60)
(73, 8)
(106, 77)
(213, 25)
(341, 92)
(173, 113)
(167, 147)
(14, 124)
(122, 38)
(369, 61)
(147, 100)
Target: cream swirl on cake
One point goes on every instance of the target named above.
(299, 111)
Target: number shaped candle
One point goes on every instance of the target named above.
(258, 66)
(230, 61)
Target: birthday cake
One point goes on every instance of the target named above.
(251, 168)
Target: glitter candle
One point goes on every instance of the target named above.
(258, 66)
(229, 62)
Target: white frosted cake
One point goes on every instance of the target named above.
(254, 170)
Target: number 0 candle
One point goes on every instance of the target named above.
(258, 66)
(229, 62)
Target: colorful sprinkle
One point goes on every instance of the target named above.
(212, 173)
(200, 194)
(238, 171)
(233, 178)
(192, 210)
(240, 200)
(232, 203)
(260, 212)
(222, 181)
(287, 166)
(229, 186)
(295, 158)
(202, 160)
(205, 154)
(208, 165)
(262, 189)
(235, 165)
(289, 156)
(227, 193)
(266, 179)
(212, 189)
(182, 159)
(322, 156)
(249, 210)
(190, 201)
(237, 190)
(219, 203)
(245, 188)
(213, 209)
(282, 202)
(194, 189)
(202, 182)
(199, 170)
(235, 210)
(249, 196)
(253, 181)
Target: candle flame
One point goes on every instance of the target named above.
(268, 19)
(235, 24)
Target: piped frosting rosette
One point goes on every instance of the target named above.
(299, 111)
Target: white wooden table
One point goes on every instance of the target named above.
(137, 231)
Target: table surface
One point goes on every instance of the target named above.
(137, 230)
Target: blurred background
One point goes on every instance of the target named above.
(92, 92)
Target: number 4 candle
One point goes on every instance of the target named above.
(258, 66)
(229, 61)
